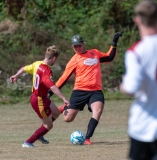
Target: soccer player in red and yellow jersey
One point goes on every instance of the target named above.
(85, 64)
(42, 82)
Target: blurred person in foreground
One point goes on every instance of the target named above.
(42, 82)
(85, 64)
(140, 80)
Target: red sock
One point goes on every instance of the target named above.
(61, 108)
(37, 134)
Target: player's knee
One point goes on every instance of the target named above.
(98, 111)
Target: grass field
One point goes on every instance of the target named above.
(110, 140)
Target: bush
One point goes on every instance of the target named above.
(32, 26)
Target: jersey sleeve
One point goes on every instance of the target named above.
(47, 79)
(109, 56)
(29, 68)
(70, 67)
(134, 73)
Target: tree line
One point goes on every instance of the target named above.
(28, 27)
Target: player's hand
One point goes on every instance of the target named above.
(66, 102)
(13, 79)
(116, 38)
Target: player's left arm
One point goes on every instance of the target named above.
(70, 67)
(109, 56)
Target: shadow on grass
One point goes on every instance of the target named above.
(111, 143)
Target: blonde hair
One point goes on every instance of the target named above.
(147, 11)
(52, 51)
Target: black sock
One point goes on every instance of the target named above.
(91, 127)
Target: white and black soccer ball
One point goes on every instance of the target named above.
(77, 137)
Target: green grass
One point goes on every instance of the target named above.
(110, 140)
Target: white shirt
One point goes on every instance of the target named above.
(140, 79)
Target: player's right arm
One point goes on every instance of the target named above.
(15, 77)
(109, 56)
(28, 69)
(70, 67)
(56, 91)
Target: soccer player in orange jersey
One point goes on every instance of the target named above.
(42, 82)
(85, 64)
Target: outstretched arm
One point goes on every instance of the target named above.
(116, 38)
(15, 77)
(109, 56)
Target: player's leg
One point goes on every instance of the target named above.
(96, 104)
(70, 114)
(40, 132)
(97, 109)
(142, 150)
(78, 100)
(55, 111)
(55, 114)
(42, 107)
(47, 122)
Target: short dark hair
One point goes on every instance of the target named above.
(147, 11)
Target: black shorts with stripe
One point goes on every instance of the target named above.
(80, 98)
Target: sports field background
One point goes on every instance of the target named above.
(110, 141)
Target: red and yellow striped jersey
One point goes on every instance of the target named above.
(42, 77)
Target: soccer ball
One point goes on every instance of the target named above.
(77, 137)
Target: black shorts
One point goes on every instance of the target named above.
(143, 150)
(80, 98)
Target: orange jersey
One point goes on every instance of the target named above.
(86, 68)
(42, 77)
